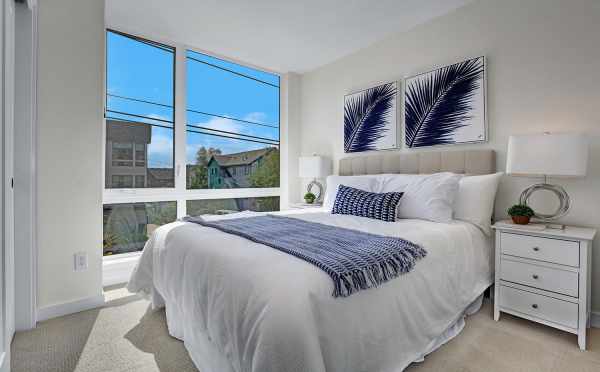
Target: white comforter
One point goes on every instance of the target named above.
(242, 306)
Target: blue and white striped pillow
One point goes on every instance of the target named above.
(379, 206)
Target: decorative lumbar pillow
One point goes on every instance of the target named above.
(475, 200)
(429, 197)
(365, 183)
(379, 206)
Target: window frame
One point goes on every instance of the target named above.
(180, 193)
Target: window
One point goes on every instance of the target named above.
(127, 226)
(122, 154)
(140, 181)
(219, 154)
(232, 121)
(122, 181)
(226, 206)
(139, 109)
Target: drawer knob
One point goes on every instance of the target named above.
(535, 276)
(535, 306)
(536, 249)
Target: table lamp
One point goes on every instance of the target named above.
(560, 155)
(314, 167)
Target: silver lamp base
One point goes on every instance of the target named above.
(563, 198)
(319, 193)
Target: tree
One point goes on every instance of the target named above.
(267, 173)
(199, 178)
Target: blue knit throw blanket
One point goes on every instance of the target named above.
(353, 259)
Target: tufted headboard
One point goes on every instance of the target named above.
(467, 162)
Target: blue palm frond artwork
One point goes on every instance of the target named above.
(446, 106)
(370, 119)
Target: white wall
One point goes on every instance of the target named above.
(543, 75)
(70, 81)
(290, 135)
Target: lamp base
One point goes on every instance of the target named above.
(319, 187)
(555, 226)
(561, 194)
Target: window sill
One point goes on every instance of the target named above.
(111, 196)
(117, 269)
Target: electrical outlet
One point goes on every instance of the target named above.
(81, 261)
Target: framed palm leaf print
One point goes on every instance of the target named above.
(370, 119)
(446, 106)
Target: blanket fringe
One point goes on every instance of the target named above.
(399, 263)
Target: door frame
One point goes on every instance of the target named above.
(8, 285)
(25, 161)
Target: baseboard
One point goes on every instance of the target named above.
(53, 311)
(595, 319)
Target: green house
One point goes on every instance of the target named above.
(233, 170)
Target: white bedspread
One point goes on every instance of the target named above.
(242, 306)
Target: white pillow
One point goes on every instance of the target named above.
(475, 200)
(429, 197)
(365, 183)
(395, 182)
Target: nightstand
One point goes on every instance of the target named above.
(544, 275)
(305, 206)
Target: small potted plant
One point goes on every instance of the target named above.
(309, 198)
(520, 213)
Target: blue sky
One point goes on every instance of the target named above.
(145, 72)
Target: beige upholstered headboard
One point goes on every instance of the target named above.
(467, 162)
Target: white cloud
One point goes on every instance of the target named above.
(258, 117)
(230, 125)
(158, 116)
(160, 151)
(223, 124)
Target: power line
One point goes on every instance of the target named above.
(233, 72)
(138, 122)
(235, 119)
(192, 110)
(139, 100)
(236, 138)
(237, 134)
(140, 116)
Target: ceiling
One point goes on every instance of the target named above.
(280, 35)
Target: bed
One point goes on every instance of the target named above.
(243, 306)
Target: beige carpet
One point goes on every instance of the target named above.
(126, 336)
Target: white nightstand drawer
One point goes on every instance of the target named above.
(546, 308)
(562, 252)
(549, 279)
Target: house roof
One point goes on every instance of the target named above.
(240, 158)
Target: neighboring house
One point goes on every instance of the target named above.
(127, 157)
(127, 154)
(233, 170)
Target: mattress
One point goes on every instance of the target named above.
(243, 306)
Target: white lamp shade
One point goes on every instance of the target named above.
(545, 154)
(314, 167)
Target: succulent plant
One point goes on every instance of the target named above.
(309, 197)
(520, 210)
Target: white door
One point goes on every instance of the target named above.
(3, 355)
(7, 256)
